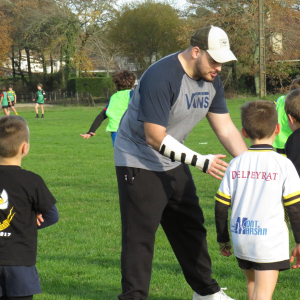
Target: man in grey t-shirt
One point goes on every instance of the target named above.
(155, 183)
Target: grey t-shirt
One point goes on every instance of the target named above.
(165, 96)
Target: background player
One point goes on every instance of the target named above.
(4, 100)
(118, 103)
(285, 130)
(259, 185)
(24, 197)
(292, 109)
(39, 98)
(13, 99)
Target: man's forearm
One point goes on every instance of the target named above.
(227, 133)
(233, 142)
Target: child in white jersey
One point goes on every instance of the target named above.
(259, 185)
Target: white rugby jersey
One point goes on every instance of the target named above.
(257, 185)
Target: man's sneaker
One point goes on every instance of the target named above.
(217, 296)
(37, 116)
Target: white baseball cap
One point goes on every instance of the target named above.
(215, 41)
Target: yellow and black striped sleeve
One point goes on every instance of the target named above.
(223, 198)
(222, 204)
(291, 204)
(291, 199)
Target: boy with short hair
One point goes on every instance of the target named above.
(24, 201)
(39, 98)
(118, 103)
(4, 100)
(285, 131)
(260, 185)
(292, 109)
(13, 98)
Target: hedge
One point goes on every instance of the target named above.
(97, 87)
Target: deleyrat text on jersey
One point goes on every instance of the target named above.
(254, 175)
(249, 227)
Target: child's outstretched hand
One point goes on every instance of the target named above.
(296, 253)
(225, 249)
(87, 135)
(39, 219)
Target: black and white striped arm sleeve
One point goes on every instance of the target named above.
(176, 151)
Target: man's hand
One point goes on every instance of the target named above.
(33, 99)
(87, 135)
(217, 166)
(296, 253)
(39, 219)
(225, 249)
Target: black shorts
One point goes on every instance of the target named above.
(19, 281)
(12, 103)
(6, 106)
(279, 265)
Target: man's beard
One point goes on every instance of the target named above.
(203, 75)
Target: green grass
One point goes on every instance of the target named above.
(79, 257)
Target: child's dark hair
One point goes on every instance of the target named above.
(295, 84)
(2, 88)
(40, 84)
(259, 119)
(124, 80)
(292, 104)
(10, 86)
(13, 132)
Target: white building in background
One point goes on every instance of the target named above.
(35, 63)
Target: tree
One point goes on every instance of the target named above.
(6, 41)
(240, 20)
(103, 53)
(146, 32)
(57, 29)
(92, 17)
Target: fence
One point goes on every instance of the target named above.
(65, 98)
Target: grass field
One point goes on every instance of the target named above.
(79, 257)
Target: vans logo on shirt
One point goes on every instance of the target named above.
(249, 227)
(198, 100)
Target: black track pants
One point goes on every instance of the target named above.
(147, 199)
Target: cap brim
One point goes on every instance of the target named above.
(222, 56)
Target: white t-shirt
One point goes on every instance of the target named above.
(257, 185)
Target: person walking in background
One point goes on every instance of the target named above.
(4, 100)
(118, 103)
(285, 130)
(39, 98)
(13, 99)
